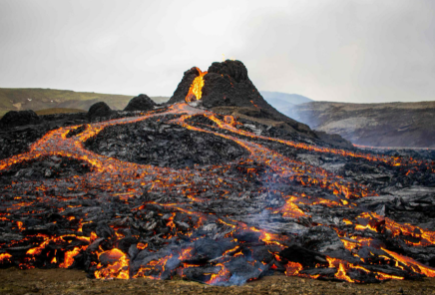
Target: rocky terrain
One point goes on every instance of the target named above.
(215, 187)
(383, 125)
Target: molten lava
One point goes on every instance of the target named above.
(195, 90)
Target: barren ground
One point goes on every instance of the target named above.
(61, 281)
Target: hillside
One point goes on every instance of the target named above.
(40, 99)
(283, 101)
(386, 124)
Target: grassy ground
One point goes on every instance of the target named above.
(61, 281)
(36, 99)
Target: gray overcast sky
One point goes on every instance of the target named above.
(339, 50)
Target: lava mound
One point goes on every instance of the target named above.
(164, 145)
(99, 109)
(14, 118)
(140, 103)
(17, 142)
(44, 169)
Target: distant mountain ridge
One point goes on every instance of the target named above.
(37, 99)
(397, 124)
(282, 100)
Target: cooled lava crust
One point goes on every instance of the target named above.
(164, 145)
(218, 199)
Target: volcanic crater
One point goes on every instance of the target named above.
(216, 187)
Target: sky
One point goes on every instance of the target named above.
(356, 51)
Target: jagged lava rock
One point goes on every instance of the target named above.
(142, 102)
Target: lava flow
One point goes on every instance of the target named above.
(222, 205)
(195, 90)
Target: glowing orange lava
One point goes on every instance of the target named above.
(195, 90)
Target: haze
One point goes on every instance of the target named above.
(350, 51)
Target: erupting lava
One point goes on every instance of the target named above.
(127, 220)
(195, 90)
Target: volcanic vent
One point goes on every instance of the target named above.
(225, 88)
(225, 84)
(216, 187)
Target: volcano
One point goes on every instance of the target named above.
(216, 186)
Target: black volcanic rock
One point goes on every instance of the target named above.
(14, 118)
(14, 142)
(227, 84)
(232, 68)
(164, 145)
(140, 103)
(99, 109)
(44, 168)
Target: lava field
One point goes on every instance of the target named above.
(182, 189)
